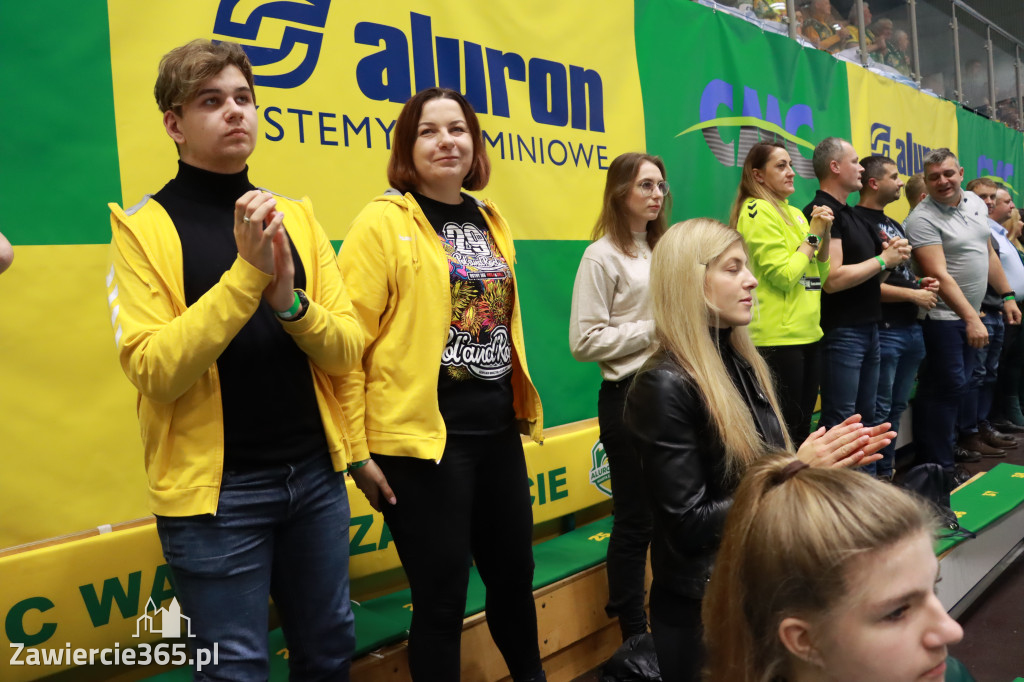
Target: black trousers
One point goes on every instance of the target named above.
(797, 374)
(677, 630)
(632, 523)
(474, 504)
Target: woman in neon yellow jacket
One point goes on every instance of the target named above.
(790, 260)
(444, 392)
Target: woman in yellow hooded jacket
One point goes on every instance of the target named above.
(444, 391)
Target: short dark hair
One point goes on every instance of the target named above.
(874, 168)
(401, 168)
(184, 69)
(827, 151)
(937, 156)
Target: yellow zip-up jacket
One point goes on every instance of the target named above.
(397, 275)
(169, 350)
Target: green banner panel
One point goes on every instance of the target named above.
(546, 271)
(59, 149)
(713, 85)
(990, 148)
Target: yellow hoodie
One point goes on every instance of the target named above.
(169, 350)
(396, 272)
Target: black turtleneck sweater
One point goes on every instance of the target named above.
(270, 409)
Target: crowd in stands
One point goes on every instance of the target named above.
(833, 299)
(266, 366)
(888, 45)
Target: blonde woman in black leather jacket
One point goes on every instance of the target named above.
(701, 410)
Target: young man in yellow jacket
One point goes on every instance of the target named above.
(232, 321)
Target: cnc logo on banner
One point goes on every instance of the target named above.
(295, 41)
(774, 125)
(908, 154)
(999, 171)
(600, 475)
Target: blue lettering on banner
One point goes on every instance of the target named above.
(307, 38)
(908, 154)
(558, 96)
(999, 169)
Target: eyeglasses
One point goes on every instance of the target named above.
(647, 187)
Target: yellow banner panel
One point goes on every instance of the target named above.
(72, 451)
(332, 77)
(890, 119)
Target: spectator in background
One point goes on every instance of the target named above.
(822, 29)
(611, 324)
(915, 191)
(900, 343)
(6, 253)
(850, 306)
(790, 259)
(1007, 415)
(950, 235)
(976, 435)
(882, 29)
(1008, 368)
(897, 52)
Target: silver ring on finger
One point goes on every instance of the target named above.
(246, 220)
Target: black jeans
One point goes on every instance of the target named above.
(631, 525)
(797, 374)
(474, 504)
(677, 631)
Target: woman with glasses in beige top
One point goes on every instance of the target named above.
(611, 325)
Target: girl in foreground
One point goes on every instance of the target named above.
(701, 410)
(825, 574)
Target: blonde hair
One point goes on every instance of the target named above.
(914, 188)
(757, 158)
(681, 321)
(1010, 225)
(787, 548)
(614, 218)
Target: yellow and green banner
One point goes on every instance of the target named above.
(890, 119)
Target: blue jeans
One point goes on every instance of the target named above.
(942, 382)
(977, 402)
(279, 531)
(849, 376)
(902, 349)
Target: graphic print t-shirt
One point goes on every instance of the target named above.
(474, 386)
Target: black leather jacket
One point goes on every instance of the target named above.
(684, 465)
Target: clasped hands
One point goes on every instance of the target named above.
(847, 444)
(263, 243)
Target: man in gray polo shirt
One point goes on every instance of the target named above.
(950, 235)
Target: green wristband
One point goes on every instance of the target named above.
(1009, 297)
(293, 311)
(881, 262)
(358, 465)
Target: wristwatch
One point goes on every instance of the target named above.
(813, 240)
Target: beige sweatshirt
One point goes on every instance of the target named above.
(611, 323)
